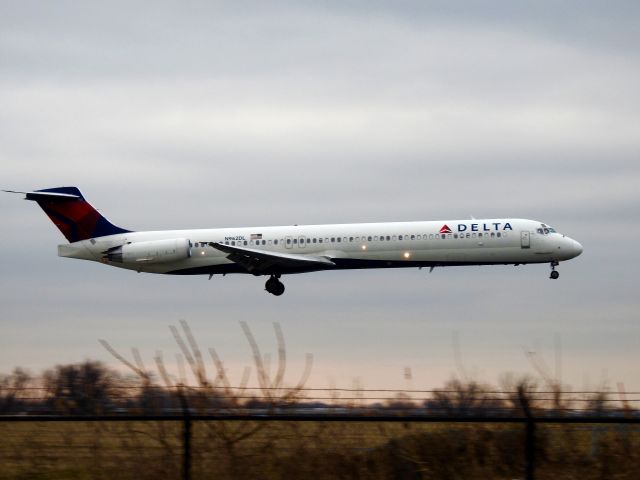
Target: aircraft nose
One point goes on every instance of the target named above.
(575, 248)
(578, 248)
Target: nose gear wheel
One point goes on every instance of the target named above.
(554, 273)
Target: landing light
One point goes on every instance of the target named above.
(364, 247)
(201, 253)
(407, 254)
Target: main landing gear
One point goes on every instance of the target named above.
(554, 273)
(274, 286)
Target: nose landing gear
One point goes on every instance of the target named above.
(554, 273)
(274, 286)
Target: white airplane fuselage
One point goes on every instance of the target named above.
(364, 245)
(277, 251)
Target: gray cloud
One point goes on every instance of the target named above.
(217, 115)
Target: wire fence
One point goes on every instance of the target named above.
(348, 445)
(153, 399)
(86, 421)
(177, 425)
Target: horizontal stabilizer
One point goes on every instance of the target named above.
(50, 196)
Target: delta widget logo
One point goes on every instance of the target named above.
(478, 227)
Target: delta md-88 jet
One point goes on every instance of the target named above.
(277, 251)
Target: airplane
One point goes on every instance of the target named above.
(276, 251)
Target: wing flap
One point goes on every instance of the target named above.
(261, 261)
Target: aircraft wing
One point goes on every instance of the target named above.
(262, 262)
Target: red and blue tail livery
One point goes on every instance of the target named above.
(72, 214)
(275, 251)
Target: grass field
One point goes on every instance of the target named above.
(275, 450)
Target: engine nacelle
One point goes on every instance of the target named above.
(152, 252)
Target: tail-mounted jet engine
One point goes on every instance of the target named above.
(157, 251)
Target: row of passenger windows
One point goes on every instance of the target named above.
(370, 238)
(391, 238)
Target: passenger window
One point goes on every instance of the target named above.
(413, 237)
(233, 242)
(493, 234)
(498, 234)
(455, 235)
(333, 239)
(399, 237)
(245, 242)
(388, 238)
(295, 240)
(369, 238)
(314, 240)
(338, 239)
(288, 241)
(275, 242)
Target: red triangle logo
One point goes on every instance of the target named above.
(445, 229)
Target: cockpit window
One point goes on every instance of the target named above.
(546, 229)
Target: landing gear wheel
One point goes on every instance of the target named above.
(274, 286)
(554, 274)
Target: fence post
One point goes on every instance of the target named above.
(186, 435)
(530, 435)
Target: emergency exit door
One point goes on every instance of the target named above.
(525, 239)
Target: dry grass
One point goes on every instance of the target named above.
(274, 450)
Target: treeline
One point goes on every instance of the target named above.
(92, 388)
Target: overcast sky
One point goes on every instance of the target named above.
(173, 115)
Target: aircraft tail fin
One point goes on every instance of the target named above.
(72, 214)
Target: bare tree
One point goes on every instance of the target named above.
(85, 388)
(13, 390)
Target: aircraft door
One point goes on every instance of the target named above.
(525, 239)
(288, 242)
(302, 242)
